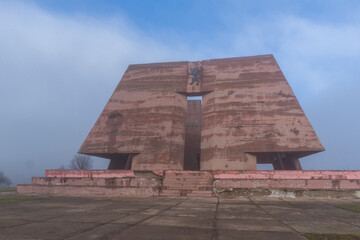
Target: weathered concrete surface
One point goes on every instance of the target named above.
(250, 108)
(290, 184)
(286, 174)
(262, 174)
(144, 116)
(337, 184)
(58, 173)
(99, 182)
(249, 114)
(187, 183)
(323, 184)
(95, 182)
(44, 217)
(73, 190)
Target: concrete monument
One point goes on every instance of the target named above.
(158, 138)
(248, 115)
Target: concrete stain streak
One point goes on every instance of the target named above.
(248, 107)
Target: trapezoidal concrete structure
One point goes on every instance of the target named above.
(248, 115)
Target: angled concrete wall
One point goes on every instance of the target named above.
(249, 115)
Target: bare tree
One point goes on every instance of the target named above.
(4, 181)
(81, 162)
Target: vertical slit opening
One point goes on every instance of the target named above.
(193, 133)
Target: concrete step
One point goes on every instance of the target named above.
(97, 182)
(187, 184)
(170, 183)
(201, 194)
(188, 180)
(86, 190)
(208, 188)
(185, 193)
(188, 176)
(184, 177)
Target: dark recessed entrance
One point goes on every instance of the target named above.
(193, 134)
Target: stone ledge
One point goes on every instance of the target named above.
(97, 182)
(288, 174)
(175, 183)
(287, 193)
(89, 173)
(86, 190)
(299, 184)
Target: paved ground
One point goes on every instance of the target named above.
(54, 217)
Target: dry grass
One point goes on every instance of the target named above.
(354, 208)
(8, 189)
(7, 199)
(319, 236)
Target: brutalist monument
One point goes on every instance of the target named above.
(246, 113)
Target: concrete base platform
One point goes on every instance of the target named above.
(255, 218)
(333, 184)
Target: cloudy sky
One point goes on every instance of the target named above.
(61, 60)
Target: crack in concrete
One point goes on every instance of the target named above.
(324, 214)
(164, 205)
(112, 220)
(74, 213)
(214, 235)
(35, 221)
(337, 218)
(109, 234)
(274, 217)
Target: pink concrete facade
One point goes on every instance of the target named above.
(188, 183)
(131, 182)
(144, 117)
(288, 184)
(283, 174)
(89, 173)
(86, 191)
(249, 115)
(288, 174)
(251, 109)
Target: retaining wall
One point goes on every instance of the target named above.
(223, 183)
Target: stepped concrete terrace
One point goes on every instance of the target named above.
(170, 183)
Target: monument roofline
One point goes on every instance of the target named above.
(204, 60)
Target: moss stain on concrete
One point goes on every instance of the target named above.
(319, 236)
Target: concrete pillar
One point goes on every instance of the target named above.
(292, 164)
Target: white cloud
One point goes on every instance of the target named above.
(56, 74)
(311, 39)
(308, 50)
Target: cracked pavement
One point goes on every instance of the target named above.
(60, 217)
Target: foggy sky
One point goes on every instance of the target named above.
(59, 68)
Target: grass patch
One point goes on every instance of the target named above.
(8, 189)
(319, 236)
(354, 208)
(7, 199)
